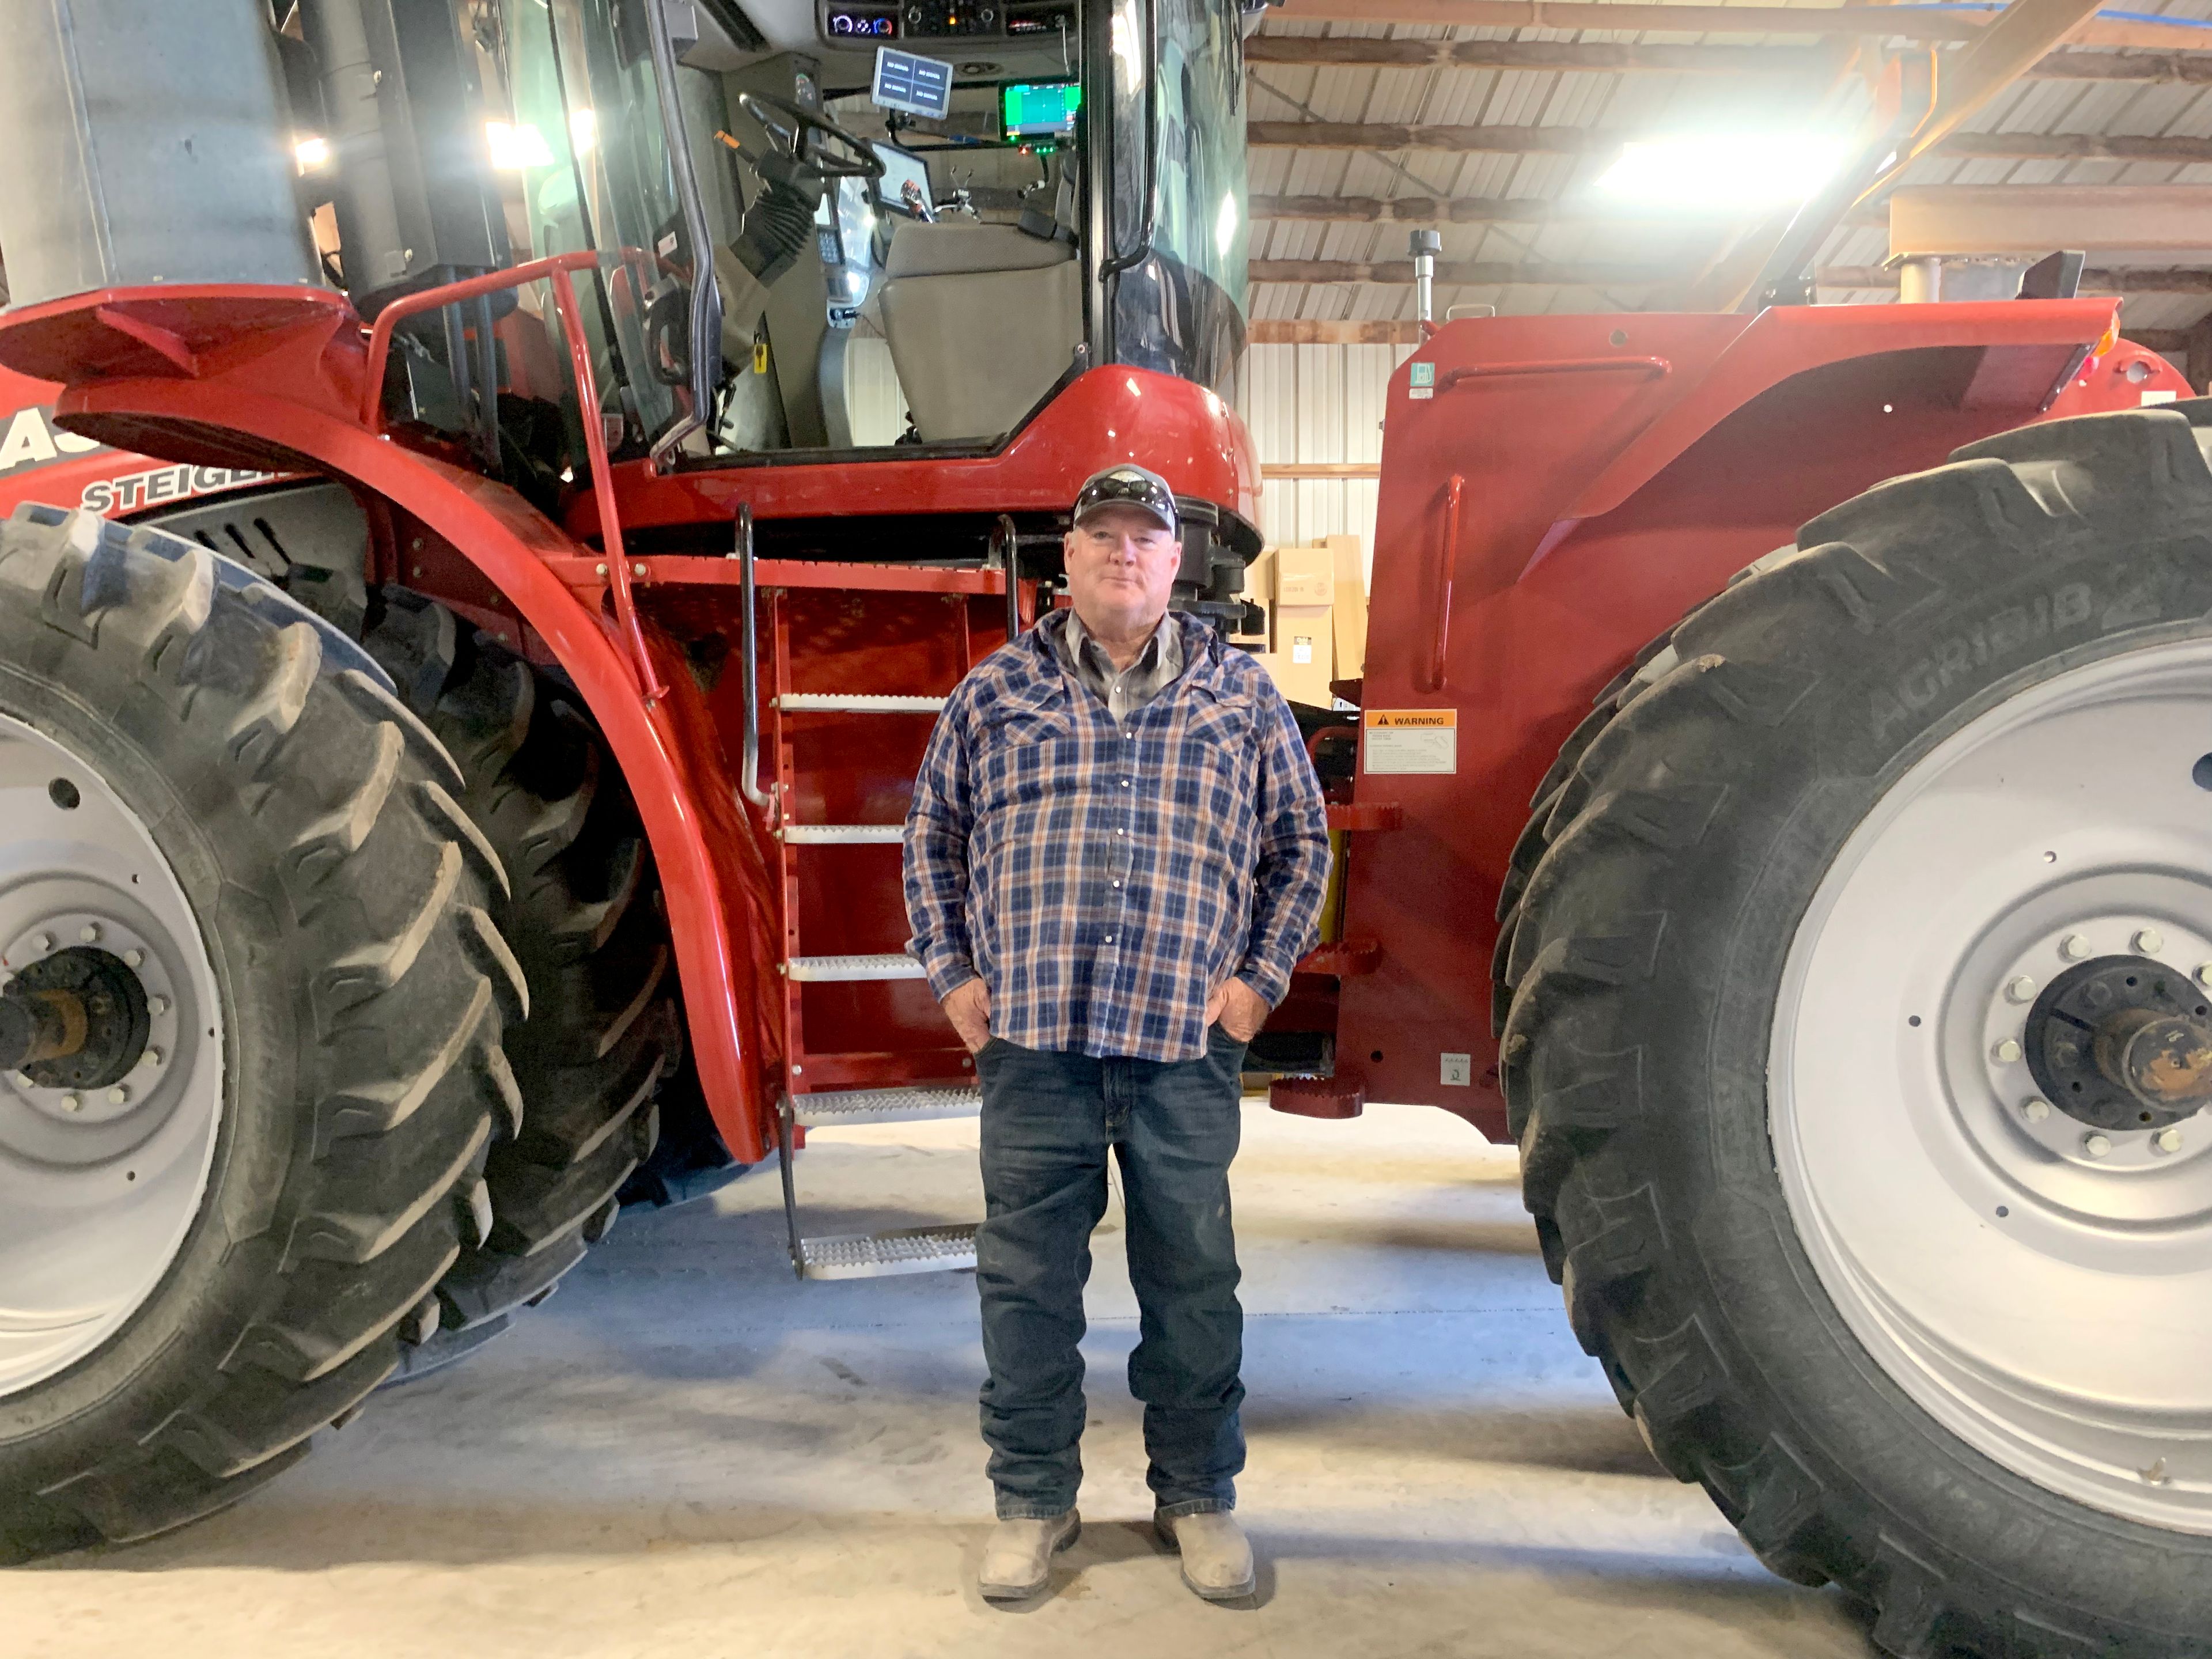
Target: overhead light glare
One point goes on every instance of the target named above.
(312, 153)
(1731, 171)
(515, 147)
(583, 130)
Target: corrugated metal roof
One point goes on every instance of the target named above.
(1630, 105)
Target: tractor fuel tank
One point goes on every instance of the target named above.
(146, 140)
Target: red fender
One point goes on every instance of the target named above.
(270, 377)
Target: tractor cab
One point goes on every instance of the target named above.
(887, 229)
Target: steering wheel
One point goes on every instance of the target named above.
(836, 154)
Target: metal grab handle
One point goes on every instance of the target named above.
(1431, 677)
(1148, 223)
(1652, 368)
(749, 766)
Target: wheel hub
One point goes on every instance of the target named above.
(2123, 1043)
(111, 1060)
(82, 1017)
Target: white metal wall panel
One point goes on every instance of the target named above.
(1318, 403)
(871, 390)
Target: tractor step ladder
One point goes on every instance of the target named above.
(934, 1248)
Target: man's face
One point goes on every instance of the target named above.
(1121, 565)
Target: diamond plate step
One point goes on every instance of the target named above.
(879, 1256)
(817, 970)
(855, 702)
(832, 1109)
(840, 834)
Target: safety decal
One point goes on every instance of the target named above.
(1411, 740)
(1420, 381)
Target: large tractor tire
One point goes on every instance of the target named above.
(254, 1013)
(1856, 1033)
(588, 925)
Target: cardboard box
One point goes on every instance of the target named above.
(1350, 628)
(1305, 576)
(1303, 660)
(1260, 588)
(1350, 554)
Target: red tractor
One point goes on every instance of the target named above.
(505, 488)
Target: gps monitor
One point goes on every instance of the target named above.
(1040, 109)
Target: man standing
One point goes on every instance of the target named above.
(1117, 848)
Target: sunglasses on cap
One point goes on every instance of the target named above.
(1130, 486)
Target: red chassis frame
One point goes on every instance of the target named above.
(280, 380)
(1565, 490)
(1618, 471)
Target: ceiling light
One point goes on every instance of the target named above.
(1726, 171)
(311, 153)
(515, 147)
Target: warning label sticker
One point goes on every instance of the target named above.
(1412, 739)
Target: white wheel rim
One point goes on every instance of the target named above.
(2049, 1305)
(98, 1189)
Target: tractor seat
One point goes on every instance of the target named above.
(981, 321)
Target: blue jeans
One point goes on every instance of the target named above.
(1047, 1121)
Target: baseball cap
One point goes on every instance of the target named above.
(1128, 485)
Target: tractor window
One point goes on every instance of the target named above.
(1182, 311)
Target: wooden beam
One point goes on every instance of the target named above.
(1320, 469)
(1591, 56)
(1314, 331)
(1481, 273)
(1487, 210)
(1613, 58)
(1908, 23)
(1954, 219)
(2126, 279)
(1376, 135)
(2130, 279)
(1581, 141)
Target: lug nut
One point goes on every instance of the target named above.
(2204, 972)
(2008, 1051)
(89, 933)
(2097, 1145)
(119, 1096)
(134, 958)
(151, 1057)
(157, 1004)
(20, 1080)
(2075, 947)
(70, 1104)
(2020, 988)
(2150, 941)
(42, 944)
(2035, 1110)
(2167, 1140)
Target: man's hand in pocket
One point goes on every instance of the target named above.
(969, 1007)
(1240, 1009)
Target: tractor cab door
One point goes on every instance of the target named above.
(884, 279)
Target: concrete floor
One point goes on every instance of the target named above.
(687, 1453)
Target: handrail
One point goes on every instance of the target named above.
(556, 268)
(1653, 368)
(1431, 677)
(749, 661)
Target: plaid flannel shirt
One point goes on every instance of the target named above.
(1101, 877)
